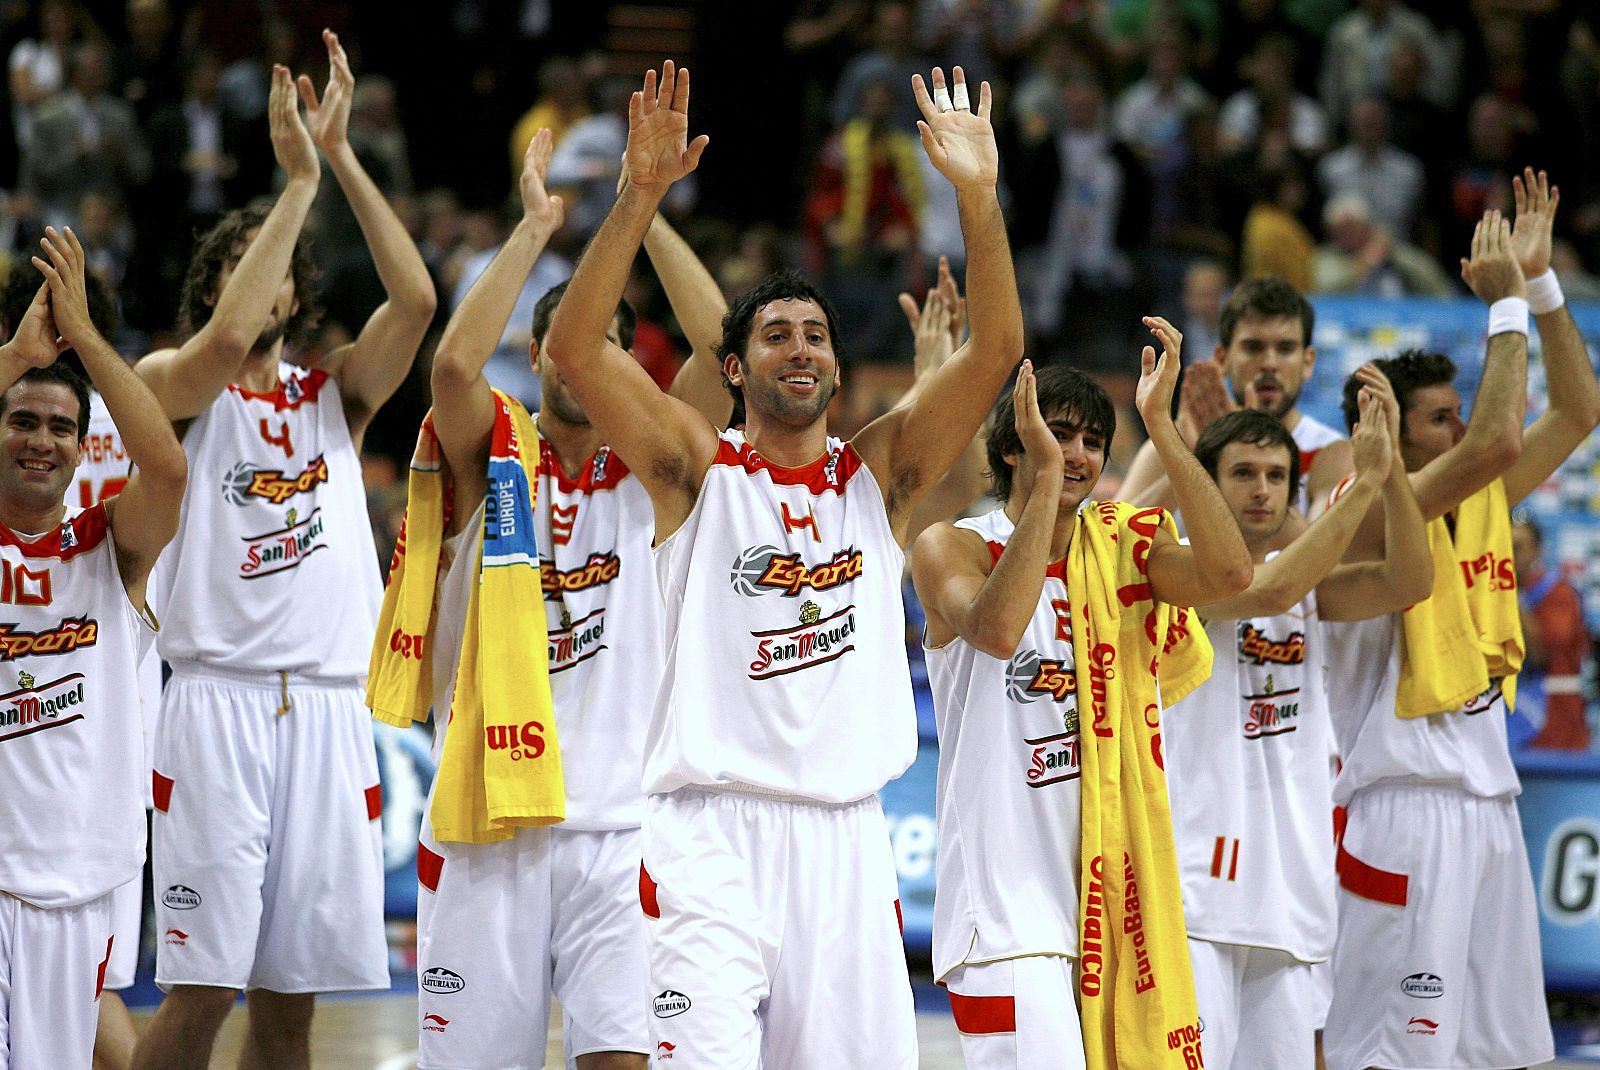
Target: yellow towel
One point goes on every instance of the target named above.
(1467, 633)
(1135, 988)
(501, 767)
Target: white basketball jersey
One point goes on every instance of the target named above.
(1247, 773)
(102, 473)
(1008, 798)
(603, 613)
(273, 568)
(785, 634)
(71, 752)
(1465, 748)
(1310, 436)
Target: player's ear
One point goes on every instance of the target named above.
(733, 369)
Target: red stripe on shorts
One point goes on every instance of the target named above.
(647, 894)
(1370, 882)
(981, 1015)
(374, 802)
(100, 978)
(429, 867)
(160, 790)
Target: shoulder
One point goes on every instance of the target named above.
(945, 547)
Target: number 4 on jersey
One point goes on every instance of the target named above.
(280, 439)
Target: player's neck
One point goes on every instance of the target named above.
(259, 372)
(1291, 419)
(573, 443)
(26, 520)
(788, 447)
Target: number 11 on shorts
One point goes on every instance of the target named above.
(1225, 849)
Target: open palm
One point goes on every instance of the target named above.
(1536, 202)
(328, 120)
(960, 141)
(35, 340)
(659, 151)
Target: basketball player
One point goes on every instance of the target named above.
(71, 735)
(1000, 662)
(786, 701)
(267, 857)
(1437, 957)
(1247, 751)
(1265, 357)
(554, 910)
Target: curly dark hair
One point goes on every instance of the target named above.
(737, 322)
(1253, 428)
(1064, 393)
(1409, 372)
(225, 243)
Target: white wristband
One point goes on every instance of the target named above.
(1508, 314)
(1544, 293)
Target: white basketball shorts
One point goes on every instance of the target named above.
(502, 926)
(1017, 1014)
(774, 934)
(266, 842)
(1437, 960)
(52, 966)
(1259, 1008)
(127, 917)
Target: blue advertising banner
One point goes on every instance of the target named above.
(1560, 808)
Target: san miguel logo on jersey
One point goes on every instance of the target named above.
(279, 551)
(765, 569)
(245, 482)
(1484, 700)
(577, 640)
(34, 707)
(1053, 759)
(817, 640)
(64, 638)
(598, 571)
(1271, 712)
(1260, 648)
(1030, 677)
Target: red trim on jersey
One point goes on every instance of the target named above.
(1306, 457)
(309, 385)
(88, 530)
(1056, 569)
(374, 802)
(161, 790)
(647, 894)
(1341, 817)
(899, 917)
(1370, 882)
(613, 474)
(430, 866)
(814, 476)
(100, 976)
(983, 1015)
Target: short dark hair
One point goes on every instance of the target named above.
(227, 241)
(1270, 297)
(22, 282)
(1253, 428)
(1063, 391)
(1409, 372)
(784, 285)
(66, 376)
(545, 311)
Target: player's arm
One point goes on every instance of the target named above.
(1328, 469)
(188, 379)
(698, 303)
(372, 367)
(1573, 411)
(1216, 564)
(144, 517)
(1493, 439)
(664, 441)
(1202, 398)
(909, 448)
(463, 400)
(951, 567)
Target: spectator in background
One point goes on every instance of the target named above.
(1245, 22)
(1151, 116)
(1275, 242)
(107, 241)
(1555, 640)
(1576, 282)
(1205, 285)
(38, 65)
(1389, 180)
(1356, 58)
(1062, 52)
(1416, 122)
(149, 70)
(563, 100)
(1480, 182)
(377, 135)
(1361, 257)
(1269, 115)
(978, 35)
(893, 57)
(84, 139)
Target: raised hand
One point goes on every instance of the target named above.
(1536, 201)
(329, 119)
(36, 342)
(538, 207)
(1203, 399)
(69, 292)
(293, 147)
(659, 150)
(1158, 377)
(1038, 441)
(959, 140)
(1493, 271)
(1370, 442)
(1377, 384)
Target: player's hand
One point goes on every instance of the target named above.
(545, 212)
(1203, 399)
(69, 292)
(1536, 203)
(958, 139)
(1493, 271)
(950, 293)
(292, 146)
(659, 150)
(931, 332)
(1038, 441)
(1158, 377)
(1378, 385)
(328, 120)
(1369, 441)
(36, 342)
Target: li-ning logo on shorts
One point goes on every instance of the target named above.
(179, 897)
(1423, 986)
(670, 1004)
(442, 981)
(1422, 1027)
(432, 1023)
(245, 481)
(763, 569)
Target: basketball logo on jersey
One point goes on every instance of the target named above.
(1255, 645)
(1271, 712)
(244, 482)
(277, 551)
(764, 569)
(1029, 677)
